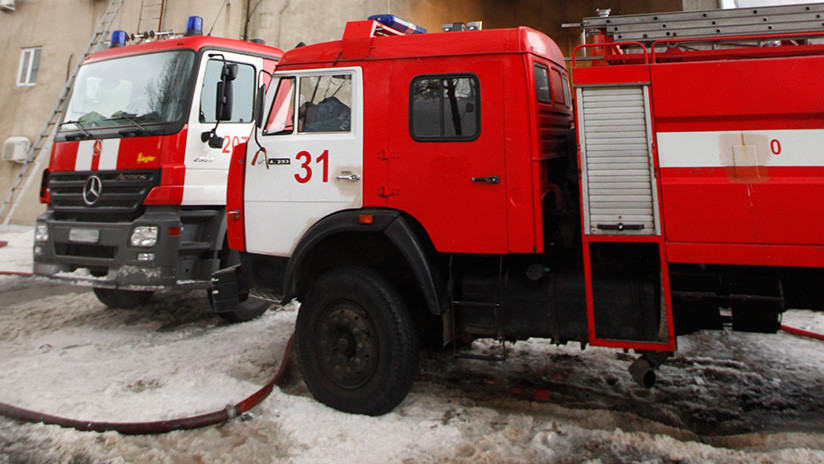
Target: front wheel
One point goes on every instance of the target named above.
(123, 299)
(356, 343)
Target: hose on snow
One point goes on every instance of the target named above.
(802, 333)
(163, 426)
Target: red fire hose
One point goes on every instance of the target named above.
(156, 427)
(802, 333)
(16, 273)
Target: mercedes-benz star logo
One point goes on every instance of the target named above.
(92, 189)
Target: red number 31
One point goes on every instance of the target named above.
(306, 174)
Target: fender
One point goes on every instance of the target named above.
(391, 224)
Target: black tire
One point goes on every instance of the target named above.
(122, 299)
(356, 343)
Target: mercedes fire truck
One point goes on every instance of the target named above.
(404, 186)
(136, 184)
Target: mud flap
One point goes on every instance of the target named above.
(229, 289)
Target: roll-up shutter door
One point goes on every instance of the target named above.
(619, 191)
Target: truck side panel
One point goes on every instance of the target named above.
(738, 159)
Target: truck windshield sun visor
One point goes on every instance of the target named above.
(131, 92)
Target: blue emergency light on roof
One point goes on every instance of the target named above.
(118, 39)
(194, 26)
(401, 25)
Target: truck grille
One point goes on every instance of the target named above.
(121, 195)
(86, 251)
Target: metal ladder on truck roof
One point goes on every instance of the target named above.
(151, 15)
(35, 156)
(709, 23)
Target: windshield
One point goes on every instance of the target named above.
(130, 91)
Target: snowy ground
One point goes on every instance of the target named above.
(725, 397)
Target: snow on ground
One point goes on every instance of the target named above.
(17, 255)
(724, 398)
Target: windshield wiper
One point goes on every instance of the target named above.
(131, 120)
(79, 126)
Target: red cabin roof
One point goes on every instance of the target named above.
(360, 42)
(192, 43)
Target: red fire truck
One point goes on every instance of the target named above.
(410, 187)
(136, 184)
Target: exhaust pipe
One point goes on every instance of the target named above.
(642, 370)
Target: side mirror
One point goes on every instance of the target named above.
(223, 105)
(214, 140)
(229, 72)
(261, 91)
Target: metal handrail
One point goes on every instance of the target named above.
(609, 44)
(751, 37)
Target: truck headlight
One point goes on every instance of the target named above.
(144, 236)
(41, 232)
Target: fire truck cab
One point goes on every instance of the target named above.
(388, 165)
(136, 184)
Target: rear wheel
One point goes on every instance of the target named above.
(357, 346)
(124, 299)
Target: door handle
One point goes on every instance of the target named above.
(489, 180)
(346, 175)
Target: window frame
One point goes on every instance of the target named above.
(535, 67)
(293, 130)
(28, 81)
(298, 124)
(463, 138)
(567, 91)
(221, 62)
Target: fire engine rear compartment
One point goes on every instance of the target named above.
(739, 243)
(732, 162)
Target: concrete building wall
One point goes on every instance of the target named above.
(63, 28)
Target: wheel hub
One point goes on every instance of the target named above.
(348, 348)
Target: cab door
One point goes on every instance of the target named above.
(446, 167)
(309, 163)
(206, 167)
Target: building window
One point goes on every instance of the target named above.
(29, 64)
(445, 108)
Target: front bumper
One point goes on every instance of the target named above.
(109, 260)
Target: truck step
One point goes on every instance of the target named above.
(197, 215)
(194, 247)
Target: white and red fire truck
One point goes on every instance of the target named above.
(136, 184)
(402, 185)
